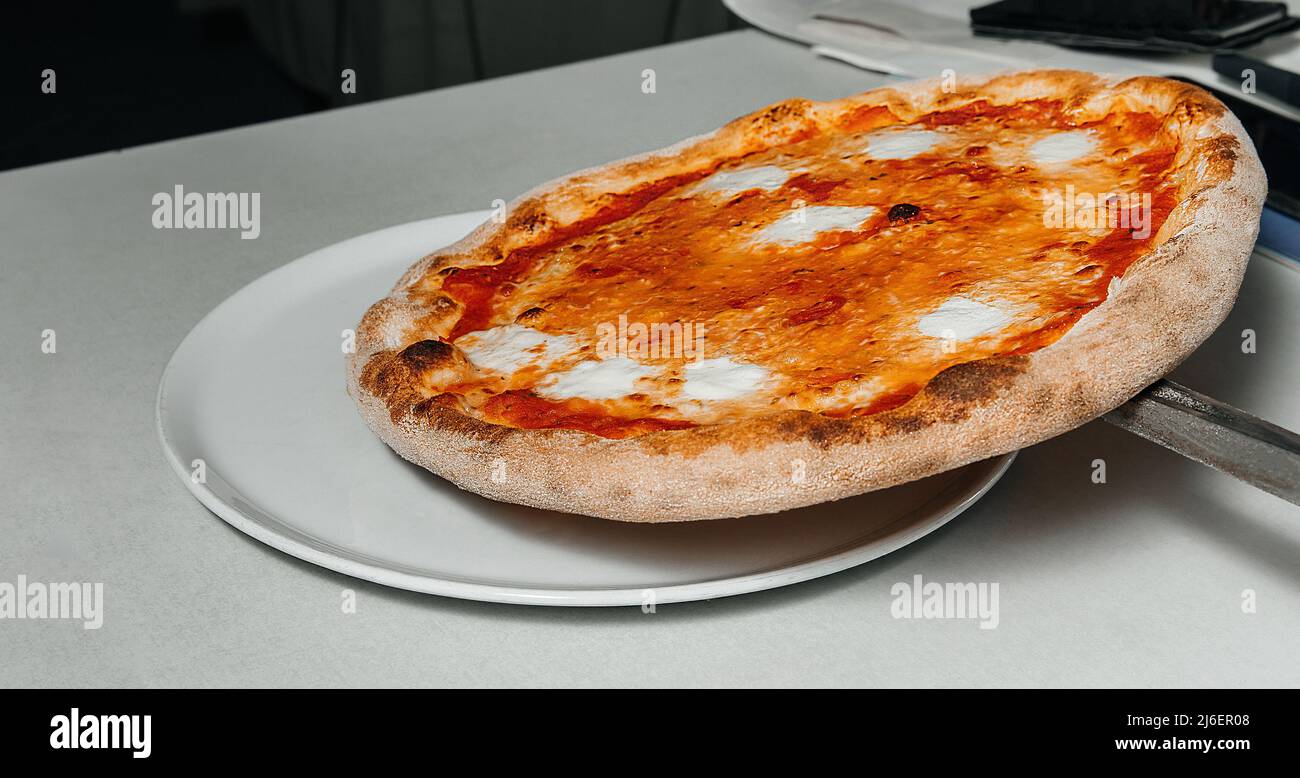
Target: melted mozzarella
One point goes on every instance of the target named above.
(844, 394)
(1062, 147)
(802, 224)
(900, 143)
(508, 348)
(961, 318)
(720, 378)
(733, 182)
(604, 379)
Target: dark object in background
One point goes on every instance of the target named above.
(1148, 25)
(398, 47)
(131, 73)
(143, 71)
(1277, 139)
(1270, 79)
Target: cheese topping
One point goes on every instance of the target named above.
(1061, 147)
(902, 143)
(803, 224)
(509, 348)
(721, 378)
(603, 379)
(733, 182)
(961, 318)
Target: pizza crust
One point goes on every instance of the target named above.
(1164, 306)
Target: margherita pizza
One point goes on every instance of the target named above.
(820, 299)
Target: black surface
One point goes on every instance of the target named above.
(1150, 25)
(141, 71)
(1171, 730)
(1277, 139)
(131, 73)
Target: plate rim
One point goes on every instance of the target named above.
(353, 564)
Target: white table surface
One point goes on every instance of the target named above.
(1135, 582)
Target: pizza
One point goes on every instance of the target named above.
(820, 298)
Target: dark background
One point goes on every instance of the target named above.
(141, 71)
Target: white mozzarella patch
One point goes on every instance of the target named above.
(802, 224)
(901, 143)
(847, 394)
(1062, 147)
(604, 379)
(961, 318)
(720, 378)
(733, 182)
(508, 348)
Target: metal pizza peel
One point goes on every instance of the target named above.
(1214, 433)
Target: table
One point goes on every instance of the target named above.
(1135, 582)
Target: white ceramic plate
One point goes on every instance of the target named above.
(256, 391)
